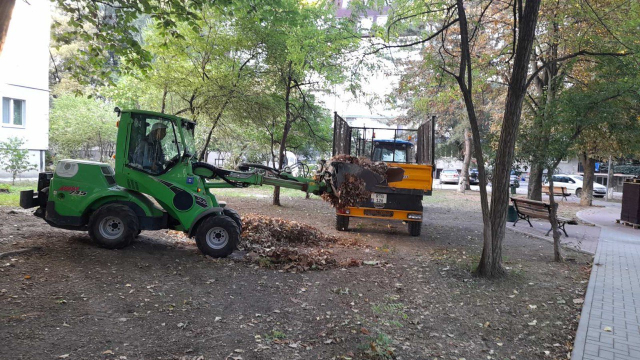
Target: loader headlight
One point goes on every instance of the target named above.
(414, 216)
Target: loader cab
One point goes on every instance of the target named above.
(154, 142)
(395, 151)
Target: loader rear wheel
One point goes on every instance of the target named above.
(217, 236)
(415, 227)
(234, 216)
(113, 226)
(342, 223)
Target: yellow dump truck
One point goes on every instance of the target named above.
(410, 149)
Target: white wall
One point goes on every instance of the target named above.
(568, 167)
(24, 75)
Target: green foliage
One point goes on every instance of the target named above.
(231, 70)
(82, 128)
(622, 169)
(110, 33)
(14, 159)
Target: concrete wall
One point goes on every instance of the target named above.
(24, 75)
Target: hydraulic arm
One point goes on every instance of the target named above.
(326, 180)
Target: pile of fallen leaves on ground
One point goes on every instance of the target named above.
(353, 191)
(287, 245)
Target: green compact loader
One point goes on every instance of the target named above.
(159, 184)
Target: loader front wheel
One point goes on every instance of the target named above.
(113, 226)
(415, 227)
(217, 236)
(342, 223)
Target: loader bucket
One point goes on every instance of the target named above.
(370, 178)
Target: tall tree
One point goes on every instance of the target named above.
(460, 45)
(571, 37)
(304, 44)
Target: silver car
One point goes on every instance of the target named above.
(449, 176)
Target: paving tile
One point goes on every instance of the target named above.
(613, 294)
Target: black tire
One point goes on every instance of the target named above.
(113, 226)
(598, 196)
(415, 228)
(342, 223)
(579, 192)
(217, 236)
(234, 216)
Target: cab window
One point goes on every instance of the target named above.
(153, 146)
(391, 153)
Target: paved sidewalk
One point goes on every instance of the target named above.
(581, 237)
(610, 322)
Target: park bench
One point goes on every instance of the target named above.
(528, 209)
(557, 191)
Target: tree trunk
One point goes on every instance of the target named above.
(203, 154)
(609, 180)
(553, 214)
(535, 182)
(464, 176)
(285, 133)
(589, 165)
(508, 134)
(164, 99)
(6, 9)
(465, 82)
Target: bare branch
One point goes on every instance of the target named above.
(570, 56)
(422, 41)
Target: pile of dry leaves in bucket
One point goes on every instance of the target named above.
(353, 191)
(287, 245)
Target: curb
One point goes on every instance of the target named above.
(549, 240)
(585, 220)
(580, 340)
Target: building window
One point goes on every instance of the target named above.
(13, 112)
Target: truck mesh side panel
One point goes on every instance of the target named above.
(341, 136)
(424, 149)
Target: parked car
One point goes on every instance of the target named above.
(473, 177)
(574, 185)
(449, 176)
(514, 179)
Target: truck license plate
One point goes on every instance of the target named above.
(378, 200)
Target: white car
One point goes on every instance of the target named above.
(449, 176)
(573, 183)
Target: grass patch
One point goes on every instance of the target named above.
(12, 197)
(275, 335)
(260, 192)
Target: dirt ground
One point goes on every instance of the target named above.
(414, 298)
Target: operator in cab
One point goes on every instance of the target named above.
(149, 152)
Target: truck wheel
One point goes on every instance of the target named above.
(342, 223)
(415, 227)
(234, 216)
(113, 226)
(217, 236)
